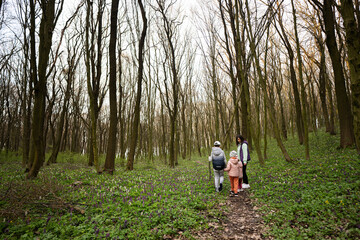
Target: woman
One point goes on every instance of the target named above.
(244, 156)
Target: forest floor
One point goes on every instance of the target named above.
(317, 199)
(241, 220)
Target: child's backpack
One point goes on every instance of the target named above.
(218, 159)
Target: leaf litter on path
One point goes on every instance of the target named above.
(240, 221)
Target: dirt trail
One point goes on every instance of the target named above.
(242, 221)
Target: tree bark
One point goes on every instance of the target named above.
(46, 30)
(278, 86)
(26, 101)
(60, 127)
(134, 133)
(302, 87)
(111, 146)
(352, 29)
(343, 103)
(169, 28)
(299, 118)
(322, 82)
(93, 75)
(231, 58)
(263, 86)
(33, 71)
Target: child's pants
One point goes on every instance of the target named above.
(240, 183)
(234, 181)
(219, 178)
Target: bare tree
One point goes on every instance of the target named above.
(111, 147)
(23, 13)
(233, 60)
(284, 37)
(134, 133)
(302, 87)
(93, 76)
(313, 25)
(343, 103)
(47, 25)
(262, 80)
(168, 36)
(69, 72)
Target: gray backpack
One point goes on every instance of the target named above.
(218, 160)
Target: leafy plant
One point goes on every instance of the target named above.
(310, 199)
(146, 203)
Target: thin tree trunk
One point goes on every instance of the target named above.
(302, 87)
(46, 31)
(121, 114)
(331, 103)
(263, 85)
(265, 129)
(184, 128)
(26, 107)
(343, 103)
(111, 146)
(322, 83)
(163, 135)
(134, 133)
(231, 60)
(93, 156)
(60, 127)
(33, 72)
(283, 121)
(299, 111)
(215, 90)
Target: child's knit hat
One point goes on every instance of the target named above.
(233, 154)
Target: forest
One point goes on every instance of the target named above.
(109, 110)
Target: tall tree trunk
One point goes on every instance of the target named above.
(231, 60)
(214, 85)
(93, 156)
(46, 30)
(163, 133)
(121, 115)
(26, 102)
(352, 29)
(184, 128)
(313, 113)
(60, 127)
(93, 70)
(343, 103)
(64, 140)
(302, 87)
(322, 81)
(111, 146)
(282, 115)
(33, 71)
(10, 118)
(265, 129)
(242, 79)
(331, 104)
(134, 133)
(263, 86)
(170, 49)
(150, 110)
(299, 114)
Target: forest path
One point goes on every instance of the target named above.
(241, 221)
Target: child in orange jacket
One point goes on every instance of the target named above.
(234, 167)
